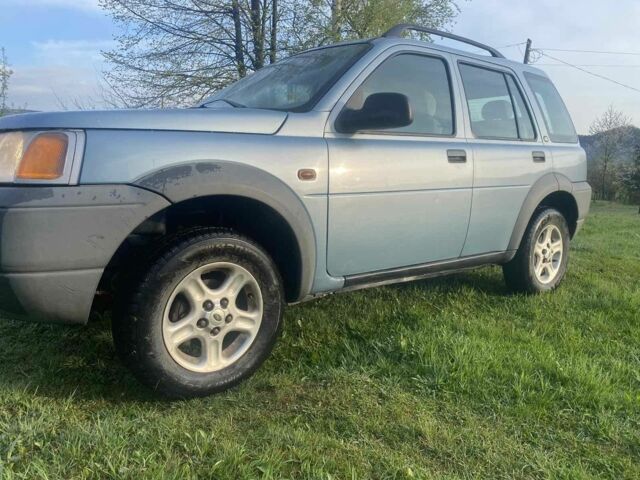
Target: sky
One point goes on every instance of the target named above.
(54, 48)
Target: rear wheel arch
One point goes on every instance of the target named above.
(566, 204)
(549, 191)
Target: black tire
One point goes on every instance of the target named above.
(519, 273)
(138, 320)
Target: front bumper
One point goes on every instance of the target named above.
(56, 241)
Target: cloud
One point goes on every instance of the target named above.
(71, 52)
(63, 72)
(570, 24)
(88, 5)
(53, 87)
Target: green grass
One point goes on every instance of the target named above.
(448, 378)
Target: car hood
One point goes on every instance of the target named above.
(227, 120)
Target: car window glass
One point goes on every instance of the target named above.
(491, 109)
(293, 84)
(523, 117)
(556, 116)
(425, 82)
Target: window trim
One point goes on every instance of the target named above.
(526, 106)
(452, 97)
(515, 79)
(544, 118)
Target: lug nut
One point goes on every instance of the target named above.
(215, 331)
(224, 303)
(203, 323)
(229, 318)
(208, 305)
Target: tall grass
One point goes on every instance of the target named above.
(450, 378)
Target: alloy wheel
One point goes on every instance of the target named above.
(212, 317)
(547, 254)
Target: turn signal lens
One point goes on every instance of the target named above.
(44, 158)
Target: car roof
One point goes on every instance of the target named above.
(384, 42)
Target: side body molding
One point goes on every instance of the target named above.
(192, 180)
(545, 185)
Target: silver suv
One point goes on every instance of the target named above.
(343, 167)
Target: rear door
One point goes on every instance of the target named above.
(508, 152)
(568, 156)
(399, 197)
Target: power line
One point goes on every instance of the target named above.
(512, 45)
(602, 52)
(590, 72)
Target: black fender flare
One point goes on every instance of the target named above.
(207, 178)
(542, 188)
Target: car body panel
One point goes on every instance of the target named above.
(263, 122)
(421, 200)
(405, 198)
(504, 175)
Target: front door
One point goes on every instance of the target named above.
(401, 197)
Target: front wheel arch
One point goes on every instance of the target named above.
(246, 216)
(215, 178)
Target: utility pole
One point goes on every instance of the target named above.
(527, 52)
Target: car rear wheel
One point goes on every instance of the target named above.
(541, 261)
(204, 316)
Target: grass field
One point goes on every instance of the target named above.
(448, 378)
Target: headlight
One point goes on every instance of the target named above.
(51, 157)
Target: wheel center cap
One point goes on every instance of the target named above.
(218, 315)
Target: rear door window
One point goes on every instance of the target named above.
(496, 106)
(554, 111)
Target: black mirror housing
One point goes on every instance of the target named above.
(381, 111)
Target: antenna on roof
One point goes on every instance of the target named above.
(399, 30)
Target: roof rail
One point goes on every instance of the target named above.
(400, 29)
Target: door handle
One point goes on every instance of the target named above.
(457, 156)
(539, 157)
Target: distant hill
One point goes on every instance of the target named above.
(15, 111)
(588, 142)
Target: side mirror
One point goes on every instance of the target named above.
(381, 111)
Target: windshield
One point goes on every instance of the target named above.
(293, 84)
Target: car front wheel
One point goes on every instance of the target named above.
(204, 316)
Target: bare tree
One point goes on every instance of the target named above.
(611, 132)
(5, 74)
(177, 52)
(629, 178)
(173, 52)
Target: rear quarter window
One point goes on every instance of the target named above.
(555, 113)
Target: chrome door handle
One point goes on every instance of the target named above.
(539, 157)
(457, 156)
